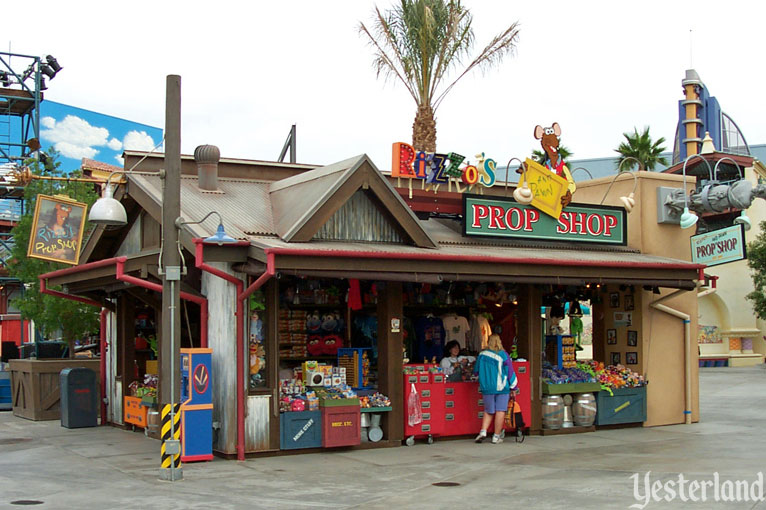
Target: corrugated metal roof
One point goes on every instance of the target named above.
(242, 203)
(529, 254)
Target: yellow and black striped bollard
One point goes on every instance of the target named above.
(171, 449)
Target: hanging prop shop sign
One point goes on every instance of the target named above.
(504, 217)
(719, 246)
(57, 229)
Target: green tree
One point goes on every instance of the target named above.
(756, 260)
(51, 314)
(418, 42)
(640, 146)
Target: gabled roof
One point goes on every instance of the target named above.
(303, 203)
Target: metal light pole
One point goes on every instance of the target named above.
(171, 261)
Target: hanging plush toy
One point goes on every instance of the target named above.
(575, 329)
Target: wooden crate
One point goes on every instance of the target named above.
(35, 390)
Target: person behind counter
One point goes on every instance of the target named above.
(452, 364)
(496, 380)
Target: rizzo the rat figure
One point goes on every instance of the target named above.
(549, 140)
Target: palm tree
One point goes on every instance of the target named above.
(641, 147)
(419, 42)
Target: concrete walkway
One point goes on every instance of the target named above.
(108, 468)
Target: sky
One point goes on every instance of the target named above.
(249, 70)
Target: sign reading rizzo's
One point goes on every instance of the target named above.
(719, 246)
(504, 217)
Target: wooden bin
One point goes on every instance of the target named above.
(35, 388)
(626, 405)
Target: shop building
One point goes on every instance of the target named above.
(346, 242)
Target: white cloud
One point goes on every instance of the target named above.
(114, 144)
(74, 137)
(138, 141)
(120, 159)
(74, 151)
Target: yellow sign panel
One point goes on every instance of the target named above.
(57, 230)
(547, 188)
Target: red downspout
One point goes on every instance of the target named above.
(241, 296)
(102, 362)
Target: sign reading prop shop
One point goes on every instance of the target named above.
(504, 217)
(57, 229)
(719, 246)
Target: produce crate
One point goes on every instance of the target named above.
(627, 405)
(341, 426)
(300, 430)
(559, 389)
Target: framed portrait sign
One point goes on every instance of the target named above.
(614, 300)
(632, 338)
(631, 358)
(57, 229)
(628, 302)
(614, 358)
(611, 336)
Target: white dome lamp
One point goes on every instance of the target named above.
(523, 194)
(107, 210)
(628, 202)
(742, 219)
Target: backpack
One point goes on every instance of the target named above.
(514, 419)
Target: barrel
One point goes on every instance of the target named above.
(152, 423)
(553, 412)
(584, 409)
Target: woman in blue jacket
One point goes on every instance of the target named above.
(496, 380)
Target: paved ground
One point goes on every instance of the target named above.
(108, 468)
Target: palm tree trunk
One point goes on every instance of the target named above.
(424, 130)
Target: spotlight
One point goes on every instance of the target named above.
(47, 71)
(5, 79)
(43, 86)
(53, 63)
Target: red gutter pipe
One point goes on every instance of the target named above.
(241, 296)
(138, 282)
(102, 320)
(120, 275)
(102, 362)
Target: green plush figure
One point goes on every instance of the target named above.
(576, 329)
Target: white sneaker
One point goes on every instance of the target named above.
(496, 439)
(481, 437)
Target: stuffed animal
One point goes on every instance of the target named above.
(315, 345)
(314, 323)
(331, 344)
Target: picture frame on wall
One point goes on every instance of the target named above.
(614, 358)
(632, 338)
(614, 299)
(611, 337)
(631, 358)
(628, 302)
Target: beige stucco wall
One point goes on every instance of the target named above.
(660, 335)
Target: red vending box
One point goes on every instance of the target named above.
(524, 397)
(431, 406)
